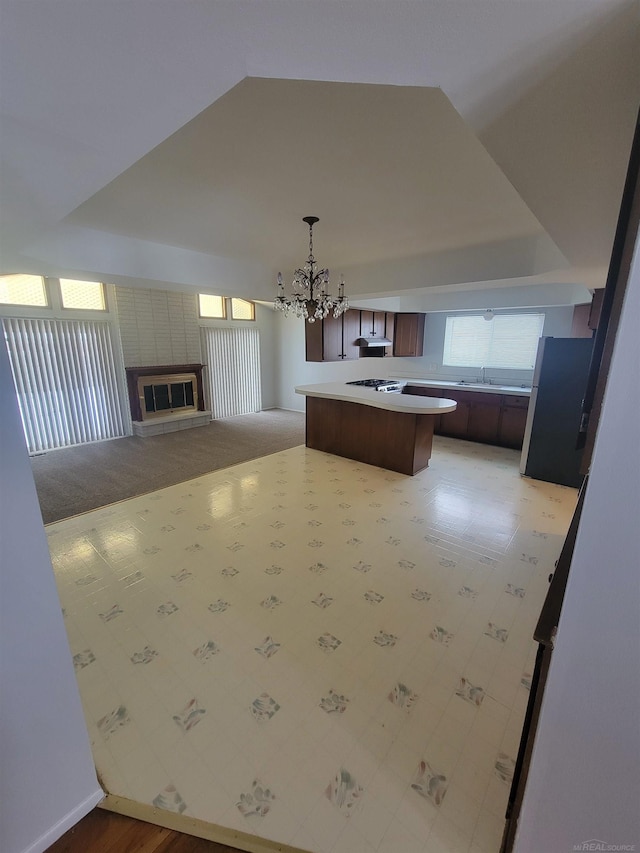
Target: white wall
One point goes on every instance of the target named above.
(294, 370)
(584, 781)
(557, 322)
(47, 780)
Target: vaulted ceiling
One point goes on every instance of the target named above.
(446, 146)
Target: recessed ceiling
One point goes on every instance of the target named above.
(107, 175)
(391, 171)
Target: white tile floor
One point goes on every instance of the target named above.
(313, 650)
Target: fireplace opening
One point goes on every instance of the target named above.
(168, 396)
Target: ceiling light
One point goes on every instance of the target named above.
(489, 314)
(309, 291)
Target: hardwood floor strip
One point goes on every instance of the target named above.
(141, 837)
(107, 832)
(228, 839)
(98, 832)
(179, 843)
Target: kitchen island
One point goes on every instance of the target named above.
(390, 430)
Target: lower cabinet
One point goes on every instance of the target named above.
(513, 420)
(484, 419)
(455, 424)
(480, 416)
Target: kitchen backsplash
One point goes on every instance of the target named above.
(494, 376)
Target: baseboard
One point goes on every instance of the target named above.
(68, 821)
(282, 409)
(194, 826)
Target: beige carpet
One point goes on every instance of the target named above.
(78, 479)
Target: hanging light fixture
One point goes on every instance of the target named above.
(489, 314)
(309, 291)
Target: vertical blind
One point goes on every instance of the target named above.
(507, 341)
(66, 381)
(233, 360)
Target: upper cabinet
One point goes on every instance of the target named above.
(596, 309)
(333, 339)
(378, 324)
(390, 331)
(409, 334)
(350, 334)
(580, 321)
(587, 316)
(372, 324)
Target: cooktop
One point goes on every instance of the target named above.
(378, 384)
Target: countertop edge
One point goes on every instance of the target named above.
(506, 390)
(394, 402)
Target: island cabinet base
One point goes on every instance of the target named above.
(398, 441)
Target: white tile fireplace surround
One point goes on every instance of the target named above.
(313, 650)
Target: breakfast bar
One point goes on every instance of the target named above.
(390, 430)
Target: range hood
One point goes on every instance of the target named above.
(374, 342)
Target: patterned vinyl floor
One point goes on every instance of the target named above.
(313, 650)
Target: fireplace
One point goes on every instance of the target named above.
(164, 398)
(169, 394)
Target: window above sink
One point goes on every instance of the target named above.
(507, 341)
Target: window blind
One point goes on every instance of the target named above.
(233, 359)
(66, 381)
(507, 341)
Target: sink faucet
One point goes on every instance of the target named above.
(482, 376)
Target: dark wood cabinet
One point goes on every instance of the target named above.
(513, 420)
(350, 334)
(480, 416)
(389, 331)
(372, 324)
(333, 339)
(455, 424)
(378, 324)
(323, 339)
(397, 441)
(586, 317)
(408, 334)
(595, 309)
(484, 418)
(580, 321)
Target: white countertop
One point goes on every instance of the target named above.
(394, 402)
(513, 390)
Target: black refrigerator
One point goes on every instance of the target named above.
(559, 381)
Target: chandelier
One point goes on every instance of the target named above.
(309, 291)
